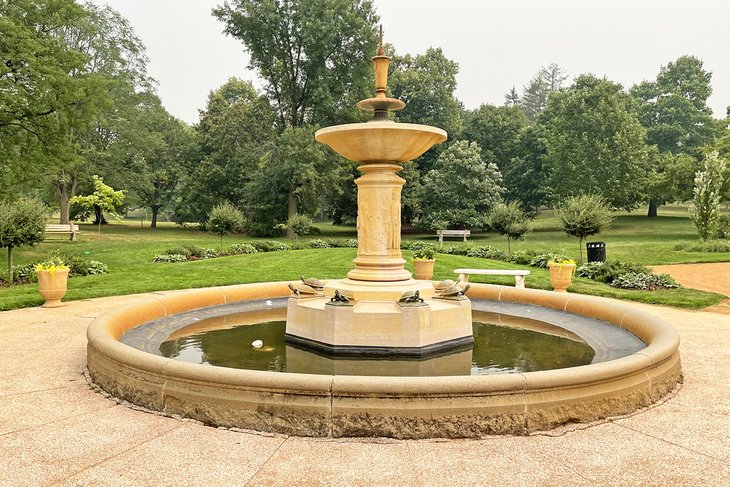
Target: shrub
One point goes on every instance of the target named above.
(225, 218)
(723, 227)
(241, 249)
(21, 223)
(607, 272)
(415, 244)
(169, 258)
(644, 281)
(82, 267)
(25, 273)
(583, 216)
(460, 249)
(520, 258)
(259, 230)
(270, 246)
(509, 219)
(351, 243)
(705, 207)
(709, 246)
(318, 244)
(300, 224)
(486, 252)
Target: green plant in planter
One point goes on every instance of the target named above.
(425, 253)
(52, 265)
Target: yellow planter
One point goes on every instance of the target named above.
(52, 286)
(424, 268)
(561, 276)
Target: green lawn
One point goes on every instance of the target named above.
(127, 249)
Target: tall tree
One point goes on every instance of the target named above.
(594, 143)
(497, 131)
(512, 98)
(313, 56)
(426, 83)
(535, 94)
(677, 119)
(36, 88)
(115, 67)
(461, 189)
(235, 131)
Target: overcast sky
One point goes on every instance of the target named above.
(497, 44)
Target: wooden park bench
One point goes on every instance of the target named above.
(69, 228)
(452, 233)
(518, 273)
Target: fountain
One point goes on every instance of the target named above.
(376, 315)
(380, 311)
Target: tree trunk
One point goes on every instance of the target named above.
(65, 204)
(580, 244)
(292, 210)
(66, 188)
(155, 211)
(653, 207)
(99, 214)
(10, 264)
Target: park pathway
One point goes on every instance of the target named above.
(714, 277)
(55, 430)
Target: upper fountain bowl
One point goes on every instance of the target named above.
(380, 141)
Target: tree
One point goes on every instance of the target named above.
(594, 144)
(21, 223)
(104, 198)
(234, 135)
(156, 151)
(584, 215)
(461, 189)
(114, 68)
(426, 83)
(36, 88)
(705, 207)
(536, 93)
(509, 219)
(497, 131)
(512, 98)
(300, 224)
(525, 180)
(313, 56)
(674, 111)
(225, 218)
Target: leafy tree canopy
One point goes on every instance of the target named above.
(594, 144)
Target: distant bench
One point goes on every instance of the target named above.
(68, 228)
(518, 273)
(452, 233)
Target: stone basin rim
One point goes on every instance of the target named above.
(401, 407)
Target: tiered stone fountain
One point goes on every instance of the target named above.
(369, 314)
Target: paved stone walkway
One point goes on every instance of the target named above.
(54, 430)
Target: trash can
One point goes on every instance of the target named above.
(596, 251)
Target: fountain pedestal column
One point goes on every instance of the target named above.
(379, 257)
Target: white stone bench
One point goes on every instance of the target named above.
(452, 233)
(518, 273)
(69, 228)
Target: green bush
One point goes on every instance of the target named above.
(259, 230)
(709, 246)
(350, 243)
(270, 246)
(644, 281)
(225, 218)
(300, 224)
(486, 252)
(22, 222)
(82, 267)
(584, 215)
(318, 244)
(607, 272)
(241, 249)
(169, 258)
(520, 257)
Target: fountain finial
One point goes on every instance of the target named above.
(381, 104)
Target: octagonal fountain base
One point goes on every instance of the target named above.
(375, 323)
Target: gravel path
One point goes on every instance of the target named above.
(713, 277)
